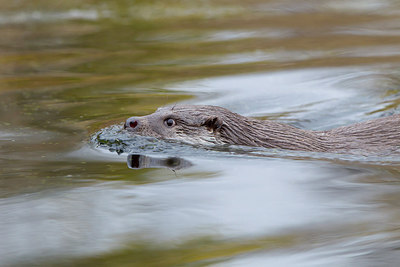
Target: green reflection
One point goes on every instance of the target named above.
(197, 252)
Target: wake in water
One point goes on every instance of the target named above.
(115, 139)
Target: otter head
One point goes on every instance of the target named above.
(188, 123)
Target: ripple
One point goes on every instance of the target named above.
(115, 139)
(317, 99)
(39, 16)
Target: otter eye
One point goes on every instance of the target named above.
(169, 122)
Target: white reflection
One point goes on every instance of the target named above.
(39, 16)
(320, 98)
(248, 198)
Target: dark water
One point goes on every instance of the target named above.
(72, 195)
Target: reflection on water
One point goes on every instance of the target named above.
(343, 92)
(249, 200)
(37, 16)
(136, 161)
(70, 69)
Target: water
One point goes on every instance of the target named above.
(75, 190)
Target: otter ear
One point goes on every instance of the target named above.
(213, 124)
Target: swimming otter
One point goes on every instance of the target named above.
(215, 125)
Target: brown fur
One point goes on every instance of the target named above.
(216, 125)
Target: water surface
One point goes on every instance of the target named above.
(72, 71)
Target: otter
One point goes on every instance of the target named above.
(203, 124)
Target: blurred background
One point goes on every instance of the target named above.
(71, 68)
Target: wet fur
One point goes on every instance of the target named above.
(216, 125)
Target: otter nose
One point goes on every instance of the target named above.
(131, 123)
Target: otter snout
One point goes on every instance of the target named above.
(131, 123)
(143, 126)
